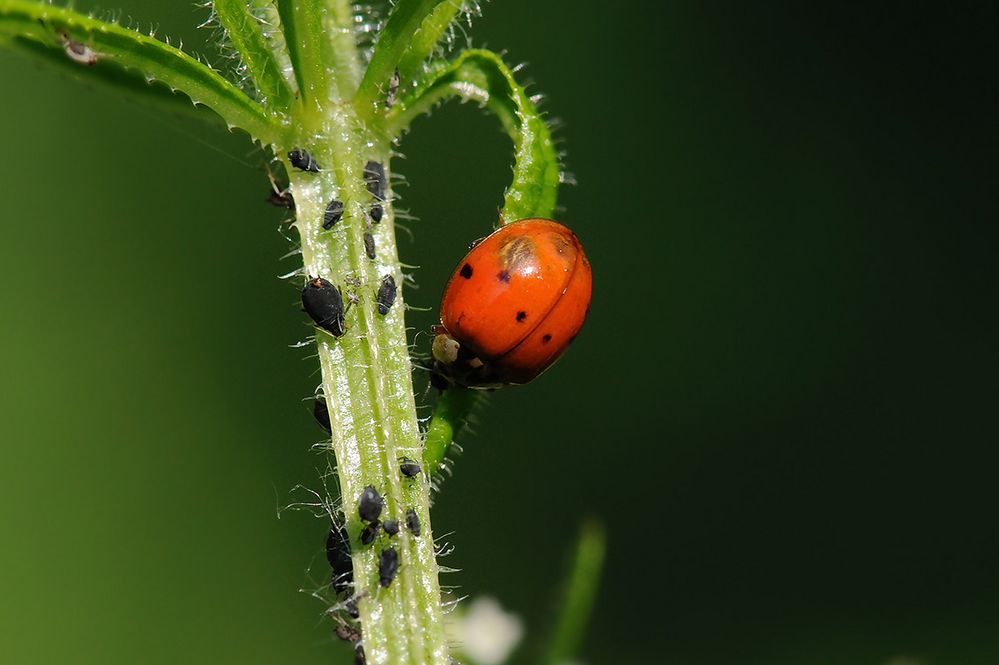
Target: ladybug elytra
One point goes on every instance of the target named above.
(513, 304)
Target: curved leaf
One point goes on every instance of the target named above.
(393, 40)
(483, 76)
(99, 50)
(246, 35)
(427, 37)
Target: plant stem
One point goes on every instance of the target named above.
(367, 381)
(580, 594)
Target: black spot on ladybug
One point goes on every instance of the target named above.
(503, 276)
(374, 179)
(546, 338)
(321, 412)
(413, 522)
(338, 555)
(521, 316)
(370, 532)
(369, 506)
(388, 566)
(391, 527)
(409, 468)
(377, 212)
(369, 246)
(324, 303)
(386, 294)
(466, 271)
(302, 160)
(333, 214)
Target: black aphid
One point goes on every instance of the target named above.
(333, 214)
(348, 633)
(281, 200)
(374, 178)
(324, 303)
(321, 412)
(386, 294)
(413, 522)
(369, 506)
(369, 246)
(77, 51)
(393, 90)
(408, 467)
(370, 532)
(338, 555)
(388, 566)
(302, 160)
(391, 527)
(377, 212)
(359, 658)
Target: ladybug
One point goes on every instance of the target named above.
(513, 304)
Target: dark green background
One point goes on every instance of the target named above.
(783, 406)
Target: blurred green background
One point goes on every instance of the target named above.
(783, 405)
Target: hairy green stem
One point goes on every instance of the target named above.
(367, 381)
(580, 594)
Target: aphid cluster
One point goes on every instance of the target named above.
(370, 505)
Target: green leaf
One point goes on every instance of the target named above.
(246, 35)
(393, 40)
(427, 38)
(483, 76)
(113, 77)
(302, 22)
(103, 49)
(579, 595)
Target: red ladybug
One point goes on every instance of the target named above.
(514, 304)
